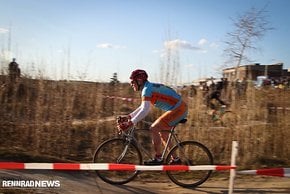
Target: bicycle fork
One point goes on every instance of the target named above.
(128, 140)
(119, 159)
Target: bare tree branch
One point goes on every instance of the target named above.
(248, 28)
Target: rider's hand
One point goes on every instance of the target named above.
(125, 125)
(122, 119)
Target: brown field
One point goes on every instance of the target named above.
(60, 120)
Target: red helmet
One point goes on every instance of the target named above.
(139, 74)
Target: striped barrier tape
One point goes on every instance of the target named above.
(121, 98)
(279, 108)
(112, 166)
(281, 172)
(107, 166)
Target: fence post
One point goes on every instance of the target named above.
(233, 163)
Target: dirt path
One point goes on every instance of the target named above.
(83, 182)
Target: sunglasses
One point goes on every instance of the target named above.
(133, 81)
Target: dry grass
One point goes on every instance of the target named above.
(67, 120)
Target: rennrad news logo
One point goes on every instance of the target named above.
(30, 183)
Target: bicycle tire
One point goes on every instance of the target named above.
(110, 152)
(192, 153)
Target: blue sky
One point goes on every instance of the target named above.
(92, 39)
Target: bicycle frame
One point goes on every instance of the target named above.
(129, 136)
(171, 135)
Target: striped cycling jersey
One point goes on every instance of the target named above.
(160, 96)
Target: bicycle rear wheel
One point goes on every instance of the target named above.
(121, 151)
(191, 153)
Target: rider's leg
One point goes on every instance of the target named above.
(165, 123)
(156, 127)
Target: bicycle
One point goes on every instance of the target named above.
(224, 116)
(125, 149)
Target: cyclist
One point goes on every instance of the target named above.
(162, 97)
(213, 100)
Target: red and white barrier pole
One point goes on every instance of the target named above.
(132, 167)
(280, 172)
(107, 166)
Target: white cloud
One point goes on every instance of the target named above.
(202, 42)
(213, 45)
(3, 30)
(177, 43)
(110, 46)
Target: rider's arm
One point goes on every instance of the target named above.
(143, 110)
(134, 113)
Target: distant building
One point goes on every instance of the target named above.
(252, 71)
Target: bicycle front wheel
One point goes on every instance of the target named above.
(121, 151)
(190, 153)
